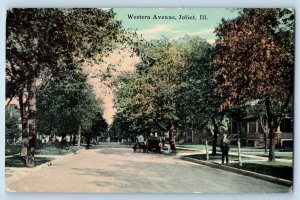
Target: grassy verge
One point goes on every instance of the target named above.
(18, 161)
(217, 158)
(54, 150)
(276, 169)
(12, 149)
(257, 151)
(42, 149)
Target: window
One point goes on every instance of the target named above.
(286, 125)
(252, 126)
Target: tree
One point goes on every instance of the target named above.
(173, 89)
(99, 126)
(198, 104)
(254, 61)
(148, 100)
(52, 39)
(122, 128)
(66, 106)
(132, 104)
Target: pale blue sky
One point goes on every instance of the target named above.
(155, 28)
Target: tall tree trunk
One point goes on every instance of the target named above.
(172, 137)
(265, 127)
(79, 137)
(74, 139)
(32, 121)
(272, 144)
(266, 142)
(24, 122)
(88, 140)
(272, 129)
(71, 139)
(63, 141)
(215, 138)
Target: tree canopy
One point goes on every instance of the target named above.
(255, 56)
(148, 98)
(172, 89)
(255, 61)
(53, 42)
(65, 105)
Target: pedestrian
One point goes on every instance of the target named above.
(163, 141)
(225, 147)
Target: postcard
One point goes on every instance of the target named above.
(149, 100)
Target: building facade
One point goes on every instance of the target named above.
(250, 132)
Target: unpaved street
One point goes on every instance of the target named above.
(112, 167)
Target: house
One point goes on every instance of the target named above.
(251, 133)
(249, 130)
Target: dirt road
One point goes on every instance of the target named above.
(111, 167)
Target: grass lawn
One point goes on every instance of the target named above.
(12, 149)
(18, 161)
(54, 150)
(43, 149)
(279, 153)
(217, 158)
(277, 169)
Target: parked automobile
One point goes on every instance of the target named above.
(154, 144)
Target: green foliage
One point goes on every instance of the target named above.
(65, 105)
(148, 99)
(11, 149)
(196, 99)
(55, 39)
(12, 122)
(55, 149)
(121, 128)
(173, 86)
(99, 125)
(51, 43)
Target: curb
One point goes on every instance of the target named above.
(241, 171)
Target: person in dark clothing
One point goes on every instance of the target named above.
(225, 147)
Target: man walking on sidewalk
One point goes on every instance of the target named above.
(225, 146)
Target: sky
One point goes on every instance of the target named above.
(173, 29)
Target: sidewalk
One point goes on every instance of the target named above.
(186, 153)
(193, 151)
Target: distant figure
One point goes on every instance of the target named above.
(140, 144)
(225, 146)
(163, 140)
(140, 138)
